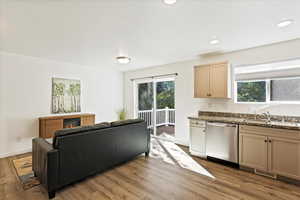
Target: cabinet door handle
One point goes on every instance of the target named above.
(266, 140)
(270, 141)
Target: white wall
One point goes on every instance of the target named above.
(25, 95)
(186, 105)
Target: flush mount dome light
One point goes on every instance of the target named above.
(285, 23)
(169, 2)
(214, 41)
(123, 59)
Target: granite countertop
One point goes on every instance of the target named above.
(245, 121)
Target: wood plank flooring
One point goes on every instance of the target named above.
(148, 178)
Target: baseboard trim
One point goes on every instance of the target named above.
(180, 142)
(21, 151)
(195, 153)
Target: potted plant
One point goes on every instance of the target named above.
(122, 114)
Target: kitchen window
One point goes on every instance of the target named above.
(251, 91)
(268, 83)
(285, 89)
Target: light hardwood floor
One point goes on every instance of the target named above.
(148, 178)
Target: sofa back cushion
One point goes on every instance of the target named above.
(76, 130)
(125, 122)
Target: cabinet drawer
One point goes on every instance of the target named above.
(197, 123)
(274, 132)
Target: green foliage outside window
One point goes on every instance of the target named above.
(165, 92)
(251, 91)
(165, 95)
(145, 95)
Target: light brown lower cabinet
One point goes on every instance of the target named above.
(254, 151)
(284, 157)
(275, 151)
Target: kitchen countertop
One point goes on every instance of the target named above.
(245, 121)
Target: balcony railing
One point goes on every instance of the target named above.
(164, 117)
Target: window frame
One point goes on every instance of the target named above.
(268, 92)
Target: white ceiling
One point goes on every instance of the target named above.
(94, 32)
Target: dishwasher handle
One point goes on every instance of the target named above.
(221, 124)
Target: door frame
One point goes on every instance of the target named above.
(154, 81)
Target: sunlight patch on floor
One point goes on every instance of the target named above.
(167, 136)
(171, 153)
(183, 159)
(158, 152)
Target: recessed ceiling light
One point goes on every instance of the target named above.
(285, 23)
(169, 2)
(123, 59)
(214, 41)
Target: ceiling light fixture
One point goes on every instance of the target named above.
(123, 59)
(214, 41)
(285, 23)
(169, 2)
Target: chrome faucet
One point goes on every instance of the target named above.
(267, 115)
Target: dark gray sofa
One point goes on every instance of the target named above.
(80, 152)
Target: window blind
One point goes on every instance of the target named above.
(281, 69)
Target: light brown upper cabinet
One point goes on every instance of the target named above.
(212, 81)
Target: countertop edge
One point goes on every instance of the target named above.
(240, 122)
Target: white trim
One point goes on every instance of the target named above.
(181, 142)
(285, 102)
(196, 153)
(263, 63)
(154, 106)
(281, 65)
(135, 99)
(268, 91)
(21, 151)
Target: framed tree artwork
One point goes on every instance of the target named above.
(66, 95)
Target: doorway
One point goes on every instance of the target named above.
(155, 103)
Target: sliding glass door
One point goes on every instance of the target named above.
(145, 103)
(155, 103)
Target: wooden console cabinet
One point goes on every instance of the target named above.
(48, 125)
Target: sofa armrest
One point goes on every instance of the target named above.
(45, 163)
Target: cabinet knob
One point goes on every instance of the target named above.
(266, 140)
(270, 141)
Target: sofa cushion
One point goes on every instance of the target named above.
(80, 129)
(125, 122)
(68, 131)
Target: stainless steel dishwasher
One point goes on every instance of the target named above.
(222, 141)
